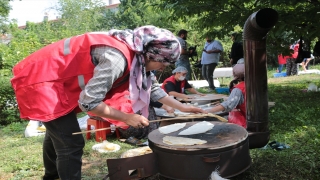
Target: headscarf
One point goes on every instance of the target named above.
(156, 44)
(179, 69)
(238, 71)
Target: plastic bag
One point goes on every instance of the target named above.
(312, 87)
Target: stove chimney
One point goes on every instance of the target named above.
(254, 43)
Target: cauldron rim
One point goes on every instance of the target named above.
(155, 142)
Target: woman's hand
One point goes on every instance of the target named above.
(190, 97)
(136, 120)
(216, 108)
(168, 108)
(192, 109)
(178, 105)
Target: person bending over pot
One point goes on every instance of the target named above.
(92, 72)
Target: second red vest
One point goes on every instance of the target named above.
(173, 80)
(238, 115)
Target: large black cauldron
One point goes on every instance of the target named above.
(227, 150)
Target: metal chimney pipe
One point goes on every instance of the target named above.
(254, 43)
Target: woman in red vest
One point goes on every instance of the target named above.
(282, 60)
(176, 84)
(92, 72)
(291, 66)
(236, 102)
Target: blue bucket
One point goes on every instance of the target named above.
(222, 90)
(279, 74)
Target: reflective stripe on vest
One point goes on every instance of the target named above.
(66, 51)
(81, 82)
(66, 47)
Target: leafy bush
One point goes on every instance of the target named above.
(8, 106)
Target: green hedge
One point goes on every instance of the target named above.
(8, 106)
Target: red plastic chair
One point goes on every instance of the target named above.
(98, 124)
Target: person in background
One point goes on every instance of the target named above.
(236, 48)
(209, 60)
(305, 62)
(184, 56)
(292, 68)
(281, 61)
(236, 102)
(92, 72)
(176, 84)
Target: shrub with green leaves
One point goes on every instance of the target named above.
(8, 106)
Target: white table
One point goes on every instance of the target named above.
(203, 83)
(310, 71)
(222, 72)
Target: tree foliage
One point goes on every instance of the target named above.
(4, 12)
(4, 8)
(79, 16)
(296, 18)
(135, 13)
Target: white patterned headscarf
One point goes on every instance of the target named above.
(156, 44)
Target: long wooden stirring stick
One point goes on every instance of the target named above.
(165, 119)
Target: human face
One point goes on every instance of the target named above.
(232, 38)
(181, 76)
(156, 65)
(184, 36)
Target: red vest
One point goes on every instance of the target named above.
(238, 115)
(282, 59)
(295, 51)
(173, 80)
(47, 83)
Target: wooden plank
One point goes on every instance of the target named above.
(207, 97)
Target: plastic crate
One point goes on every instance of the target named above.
(222, 90)
(280, 74)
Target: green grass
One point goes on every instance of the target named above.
(294, 120)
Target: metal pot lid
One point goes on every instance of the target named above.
(221, 136)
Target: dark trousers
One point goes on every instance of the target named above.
(62, 151)
(292, 67)
(207, 73)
